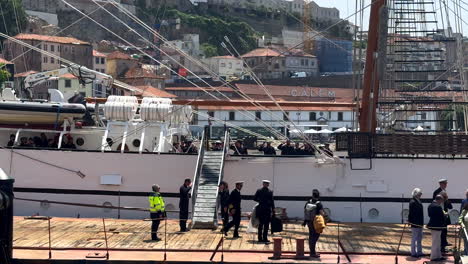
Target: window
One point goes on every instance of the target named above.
(210, 113)
(73, 49)
(306, 62)
(285, 116)
(45, 47)
(45, 60)
(232, 116)
(103, 71)
(283, 62)
(52, 48)
(52, 60)
(223, 64)
(97, 60)
(67, 83)
(423, 116)
(258, 115)
(103, 60)
(340, 116)
(312, 116)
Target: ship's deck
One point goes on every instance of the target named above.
(86, 235)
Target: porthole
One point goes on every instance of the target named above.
(373, 213)
(80, 141)
(136, 143)
(107, 207)
(45, 204)
(454, 215)
(170, 207)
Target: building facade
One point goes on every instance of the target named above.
(72, 49)
(226, 66)
(118, 63)
(280, 63)
(335, 56)
(99, 61)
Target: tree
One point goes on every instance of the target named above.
(449, 116)
(13, 17)
(209, 50)
(4, 75)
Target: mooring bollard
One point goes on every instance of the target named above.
(277, 252)
(6, 217)
(300, 247)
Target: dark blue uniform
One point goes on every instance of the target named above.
(266, 205)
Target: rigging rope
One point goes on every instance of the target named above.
(78, 172)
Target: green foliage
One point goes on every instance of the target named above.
(4, 74)
(360, 44)
(450, 115)
(13, 17)
(213, 29)
(209, 50)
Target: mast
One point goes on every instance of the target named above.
(367, 116)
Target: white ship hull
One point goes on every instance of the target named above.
(348, 194)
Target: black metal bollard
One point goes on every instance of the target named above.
(6, 217)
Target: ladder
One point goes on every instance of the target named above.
(208, 175)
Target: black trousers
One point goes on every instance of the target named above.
(313, 238)
(183, 216)
(236, 219)
(264, 225)
(443, 239)
(155, 220)
(224, 217)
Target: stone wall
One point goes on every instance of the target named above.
(94, 32)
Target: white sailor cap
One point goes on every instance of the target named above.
(266, 181)
(239, 182)
(442, 180)
(218, 142)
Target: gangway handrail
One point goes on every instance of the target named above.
(196, 177)
(227, 143)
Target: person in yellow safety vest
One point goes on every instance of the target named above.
(157, 211)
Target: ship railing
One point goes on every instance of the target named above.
(463, 239)
(196, 176)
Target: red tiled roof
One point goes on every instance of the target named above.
(98, 54)
(141, 73)
(118, 55)
(3, 61)
(274, 108)
(24, 74)
(68, 76)
(63, 40)
(223, 57)
(263, 52)
(297, 92)
(192, 88)
(150, 91)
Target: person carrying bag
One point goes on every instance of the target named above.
(315, 221)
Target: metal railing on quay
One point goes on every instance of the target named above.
(106, 230)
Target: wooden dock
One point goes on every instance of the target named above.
(133, 235)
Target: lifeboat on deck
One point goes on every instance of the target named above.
(14, 111)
